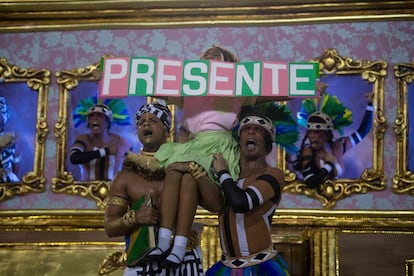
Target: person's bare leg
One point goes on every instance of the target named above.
(187, 207)
(170, 196)
(168, 209)
(210, 195)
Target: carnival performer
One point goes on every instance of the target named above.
(208, 122)
(134, 197)
(321, 154)
(10, 155)
(99, 153)
(251, 201)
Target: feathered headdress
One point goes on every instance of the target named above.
(332, 114)
(284, 125)
(117, 107)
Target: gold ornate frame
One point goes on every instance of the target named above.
(403, 180)
(372, 179)
(64, 181)
(41, 15)
(38, 81)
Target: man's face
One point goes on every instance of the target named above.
(151, 131)
(317, 139)
(252, 142)
(97, 122)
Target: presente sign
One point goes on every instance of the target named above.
(166, 77)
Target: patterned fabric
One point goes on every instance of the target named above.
(101, 108)
(263, 122)
(159, 110)
(4, 110)
(137, 242)
(192, 266)
(276, 266)
(7, 159)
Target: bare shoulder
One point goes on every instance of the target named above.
(82, 137)
(278, 174)
(119, 185)
(133, 185)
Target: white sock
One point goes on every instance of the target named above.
(164, 238)
(180, 243)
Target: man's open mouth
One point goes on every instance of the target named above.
(250, 144)
(147, 132)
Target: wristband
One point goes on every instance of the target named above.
(339, 169)
(327, 167)
(370, 108)
(224, 176)
(102, 152)
(129, 218)
(221, 172)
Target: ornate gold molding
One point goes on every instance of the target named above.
(318, 227)
(403, 180)
(37, 81)
(64, 182)
(372, 179)
(45, 15)
(92, 220)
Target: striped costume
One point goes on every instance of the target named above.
(96, 163)
(245, 234)
(8, 157)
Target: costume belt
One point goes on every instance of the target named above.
(257, 258)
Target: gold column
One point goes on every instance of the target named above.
(323, 244)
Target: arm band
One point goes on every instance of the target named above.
(79, 157)
(328, 167)
(241, 200)
(234, 196)
(364, 127)
(118, 201)
(314, 176)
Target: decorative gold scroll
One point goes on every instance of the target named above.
(64, 182)
(38, 81)
(372, 179)
(403, 180)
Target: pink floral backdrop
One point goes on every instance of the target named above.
(56, 51)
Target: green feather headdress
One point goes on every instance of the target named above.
(286, 128)
(119, 110)
(329, 109)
